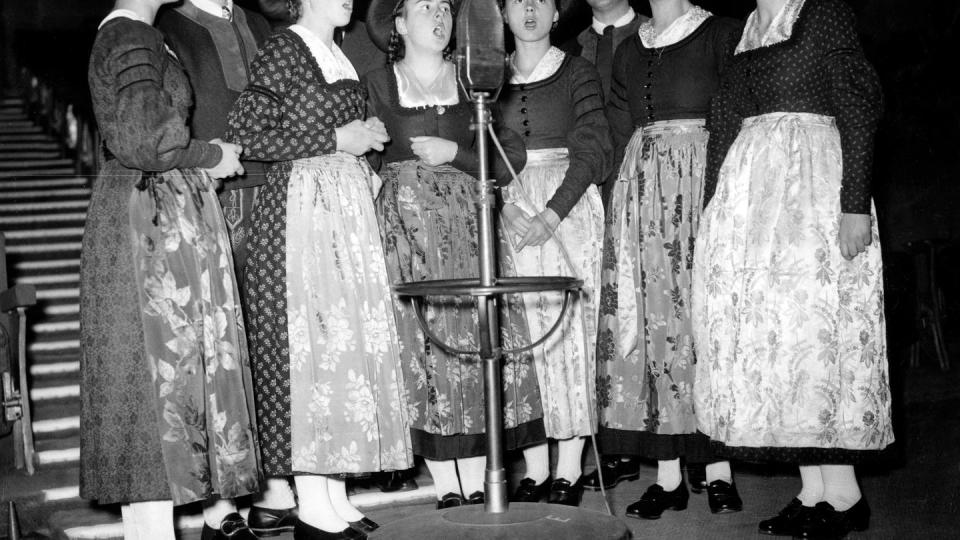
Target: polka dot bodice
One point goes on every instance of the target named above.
(820, 69)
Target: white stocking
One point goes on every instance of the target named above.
(471, 474)
(811, 490)
(719, 470)
(569, 458)
(668, 474)
(537, 460)
(444, 474)
(840, 487)
(316, 509)
(341, 504)
(215, 509)
(276, 496)
(152, 520)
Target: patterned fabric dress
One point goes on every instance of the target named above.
(790, 335)
(646, 356)
(560, 103)
(165, 384)
(324, 340)
(428, 218)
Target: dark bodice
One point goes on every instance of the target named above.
(141, 99)
(452, 124)
(668, 83)
(564, 110)
(821, 69)
(289, 111)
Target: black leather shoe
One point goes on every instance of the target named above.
(266, 522)
(389, 482)
(723, 497)
(697, 478)
(655, 500)
(563, 492)
(828, 523)
(302, 531)
(614, 470)
(530, 491)
(365, 525)
(475, 498)
(233, 527)
(449, 501)
(789, 521)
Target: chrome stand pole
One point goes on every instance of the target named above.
(495, 478)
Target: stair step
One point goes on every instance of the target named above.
(24, 267)
(29, 128)
(51, 327)
(50, 393)
(35, 164)
(15, 145)
(43, 183)
(45, 193)
(71, 293)
(11, 223)
(60, 232)
(52, 310)
(14, 249)
(33, 153)
(23, 208)
(56, 425)
(4, 122)
(49, 279)
(40, 173)
(54, 368)
(54, 346)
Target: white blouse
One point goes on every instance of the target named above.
(780, 29)
(678, 30)
(333, 63)
(547, 66)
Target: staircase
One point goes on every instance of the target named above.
(43, 204)
(42, 210)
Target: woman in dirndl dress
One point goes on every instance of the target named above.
(323, 337)
(165, 377)
(663, 80)
(427, 212)
(555, 217)
(788, 280)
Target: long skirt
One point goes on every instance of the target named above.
(330, 394)
(790, 335)
(428, 218)
(165, 386)
(566, 361)
(646, 358)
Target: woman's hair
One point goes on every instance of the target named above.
(294, 10)
(396, 49)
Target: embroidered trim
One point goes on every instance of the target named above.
(333, 63)
(678, 30)
(546, 67)
(780, 29)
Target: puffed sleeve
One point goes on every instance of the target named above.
(723, 121)
(855, 101)
(589, 144)
(466, 158)
(151, 132)
(257, 121)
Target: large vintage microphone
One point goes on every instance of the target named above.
(481, 70)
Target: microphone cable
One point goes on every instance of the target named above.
(590, 400)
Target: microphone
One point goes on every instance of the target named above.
(480, 54)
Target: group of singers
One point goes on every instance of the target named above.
(709, 182)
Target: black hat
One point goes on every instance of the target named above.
(380, 17)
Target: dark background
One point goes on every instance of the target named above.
(912, 44)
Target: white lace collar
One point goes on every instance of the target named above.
(214, 8)
(547, 66)
(333, 63)
(117, 13)
(678, 30)
(780, 29)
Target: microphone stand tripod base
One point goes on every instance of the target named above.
(526, 521)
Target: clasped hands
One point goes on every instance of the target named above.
(229, 164)
(531, 230)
